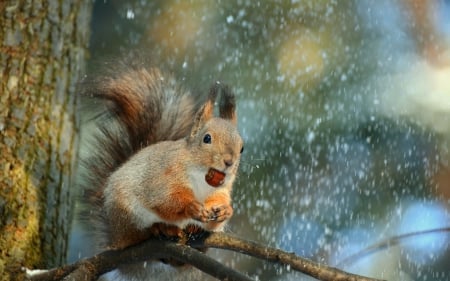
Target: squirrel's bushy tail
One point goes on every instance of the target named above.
(140, 106)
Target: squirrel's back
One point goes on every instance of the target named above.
(140, 106)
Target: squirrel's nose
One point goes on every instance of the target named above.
(228, 162)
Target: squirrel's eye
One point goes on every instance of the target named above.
(242, 149)
(207, 138)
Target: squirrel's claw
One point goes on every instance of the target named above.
(220, 213)
(196, 211)
(214, 214)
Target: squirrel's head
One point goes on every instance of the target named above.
(215, 141)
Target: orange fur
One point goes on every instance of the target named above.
(180, 205)
(219, 204)
(165, 230)
(218, 199)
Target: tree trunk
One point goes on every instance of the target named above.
(42, 52)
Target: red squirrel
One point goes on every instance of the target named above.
(159, 163)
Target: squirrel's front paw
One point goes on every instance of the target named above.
(198, 212)
(220, 213)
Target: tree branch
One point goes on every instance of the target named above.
(152, 249)
(156, 249)
(308, 267)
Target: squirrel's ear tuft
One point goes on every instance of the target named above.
(227, 105)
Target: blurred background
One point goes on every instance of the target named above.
(345, 111)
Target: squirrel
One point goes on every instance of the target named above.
(160, 164)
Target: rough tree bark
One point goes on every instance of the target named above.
(42, 52)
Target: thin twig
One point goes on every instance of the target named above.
(390, 242)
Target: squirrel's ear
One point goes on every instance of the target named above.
(227, 105)
(203, 114)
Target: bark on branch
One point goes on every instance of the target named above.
(154, 249)
(306, 266)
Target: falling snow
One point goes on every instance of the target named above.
(346, 125)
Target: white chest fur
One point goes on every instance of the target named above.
(199, 186)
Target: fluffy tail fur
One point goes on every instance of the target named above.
(141, 106)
